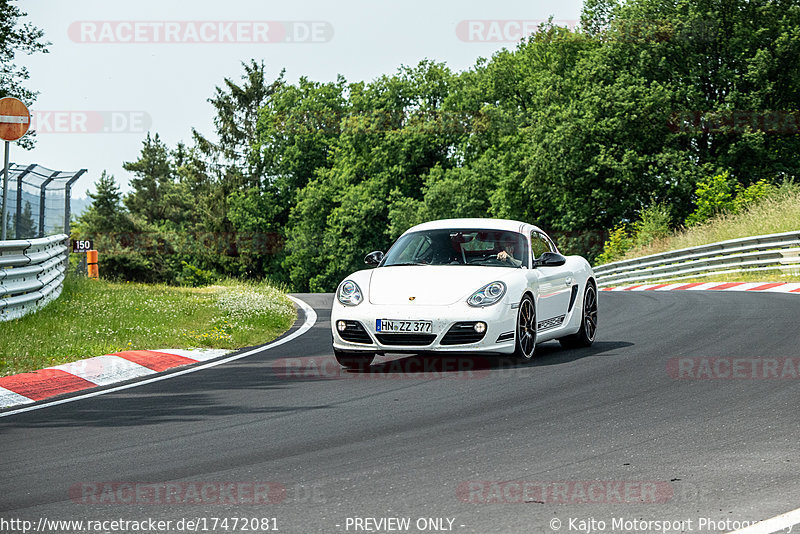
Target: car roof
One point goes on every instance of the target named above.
(476, 223)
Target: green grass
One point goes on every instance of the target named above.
(745, 276)
(92, 318)
(777, 213)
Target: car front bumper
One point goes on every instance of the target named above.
(500, 320)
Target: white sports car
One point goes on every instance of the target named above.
(483, 286)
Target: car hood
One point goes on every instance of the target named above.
(430, 284)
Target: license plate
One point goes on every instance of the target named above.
(403, 327)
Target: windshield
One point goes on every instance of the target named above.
(494, 248)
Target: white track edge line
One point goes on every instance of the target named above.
(311, 319)
(772, 525)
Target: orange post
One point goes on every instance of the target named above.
(91, 264)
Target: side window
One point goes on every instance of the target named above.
(539, 244)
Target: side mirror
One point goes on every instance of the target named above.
(550, 259)
(374, 258)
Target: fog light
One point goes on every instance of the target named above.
(341, 326)
(480, 327)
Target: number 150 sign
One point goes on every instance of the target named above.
(82, 245)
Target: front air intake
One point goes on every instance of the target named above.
(463, 334)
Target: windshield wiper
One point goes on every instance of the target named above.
(403, 264)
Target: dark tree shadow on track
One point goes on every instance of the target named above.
(552, 353)
(444, 364)
(195, 396)
(226, 391)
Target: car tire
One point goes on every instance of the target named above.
(353, 360)
(525, 334)
(585, 336)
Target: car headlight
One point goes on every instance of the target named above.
(487, 295)
(349, 293)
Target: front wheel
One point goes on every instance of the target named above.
(353, 360)
(585, 336)
(526, 330)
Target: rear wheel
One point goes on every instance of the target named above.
(585, 336)
(353, 360)
(526, 330)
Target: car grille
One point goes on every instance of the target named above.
(355, 333)
(462, 334)
(406, 340)
(508, 336)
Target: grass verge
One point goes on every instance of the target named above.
(777, 213)
(92, 318)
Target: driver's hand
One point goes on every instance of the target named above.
(502, 255)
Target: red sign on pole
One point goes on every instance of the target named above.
(15, 119)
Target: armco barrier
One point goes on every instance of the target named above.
(31, 273)
(759, 253)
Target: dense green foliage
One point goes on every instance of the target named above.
(619, 122)
(716, 200)
(755, 210)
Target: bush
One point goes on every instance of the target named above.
(717, 195)
(618, 243)
(745, 196)
(123, 265)
(714, 196)
(655, 223)
(194, 277)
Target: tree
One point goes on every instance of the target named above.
(596, 16)
(536, 133)
(233, 156)
(298, 128)
(576, 130)
(224, 178)
(729, 72)
(106, 213)
(25, 226)
(14, 39)
(640, 107)
(156, 195)
(391, 138)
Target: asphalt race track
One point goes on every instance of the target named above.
(607, 433)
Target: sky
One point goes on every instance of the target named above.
(117, 70)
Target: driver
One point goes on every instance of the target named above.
(507, 254)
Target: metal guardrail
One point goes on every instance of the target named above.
(759, 253)
(31, 273)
